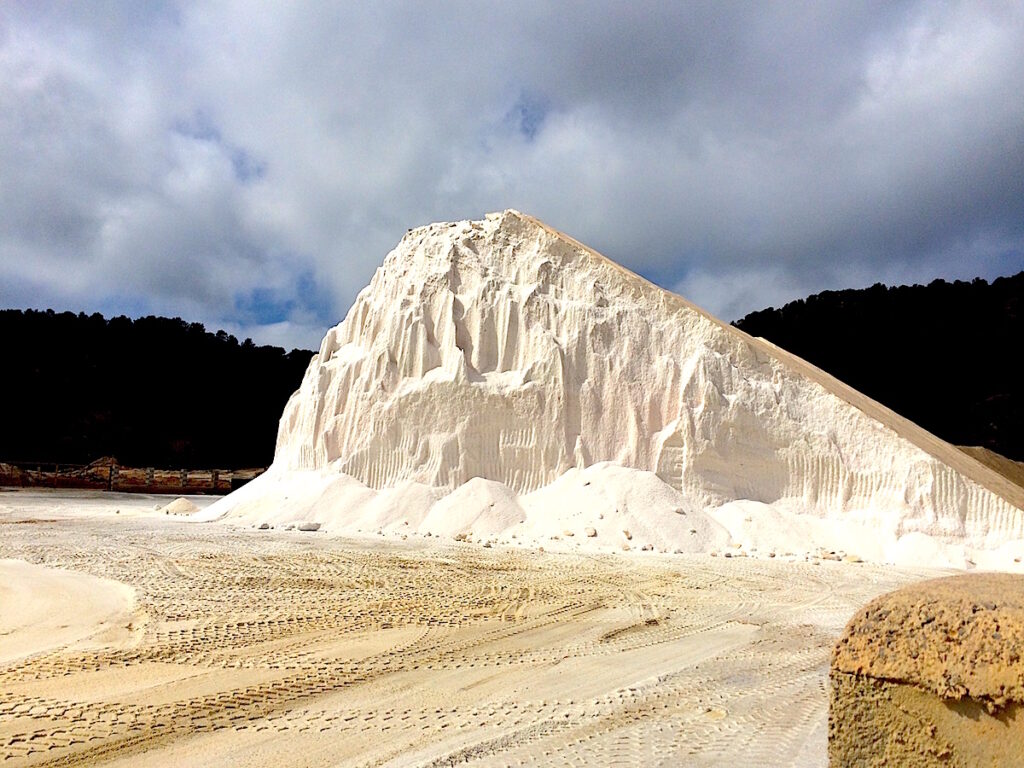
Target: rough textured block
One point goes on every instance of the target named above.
(932, 675)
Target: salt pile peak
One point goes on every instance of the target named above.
(504, 350)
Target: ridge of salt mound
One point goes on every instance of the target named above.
(503, 350)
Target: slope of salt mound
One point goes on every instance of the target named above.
(338, 504)
(279, 497)
(762, 528)
(608, 506)
(400, 509)
(230, 506)
(610, 500)
(769, 528)
(478, 507)
(605, 507)
(915, 548)
(1007, 557)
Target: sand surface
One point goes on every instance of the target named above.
(43, 608)
(285, 648)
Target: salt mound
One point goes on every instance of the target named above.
(623, 506)
(616, 501)
(481, 507)
(180, 506)
(506, 357)
(402, 508)
(278, 498)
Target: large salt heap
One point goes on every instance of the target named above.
(504, 350)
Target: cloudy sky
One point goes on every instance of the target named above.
(248, 165)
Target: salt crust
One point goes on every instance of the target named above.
(499, 380)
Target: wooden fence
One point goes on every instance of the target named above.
(108, 475)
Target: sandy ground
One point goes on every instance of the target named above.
(44, 608)
(164, 642)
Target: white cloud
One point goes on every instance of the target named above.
(209, 159)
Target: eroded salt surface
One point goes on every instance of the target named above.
(499, 380)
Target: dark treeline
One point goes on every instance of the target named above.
(150, 392)
(166, 393)
(945, 355)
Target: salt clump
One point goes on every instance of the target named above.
(493, 369)
(180, 506)
(481, 507)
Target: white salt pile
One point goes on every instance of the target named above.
(497, 380)
(622, 508)
(180, 506)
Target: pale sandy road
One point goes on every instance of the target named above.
(263, 648)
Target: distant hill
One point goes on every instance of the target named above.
(945, 355)
(166, 393)
(152, 392)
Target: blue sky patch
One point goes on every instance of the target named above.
(527, 115)
(265, 306)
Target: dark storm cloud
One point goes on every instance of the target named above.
(236, 163)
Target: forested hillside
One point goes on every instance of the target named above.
(151, 392)
(163, 392)
(945, 355)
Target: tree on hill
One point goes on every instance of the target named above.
(943, 355)
(154, 391)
